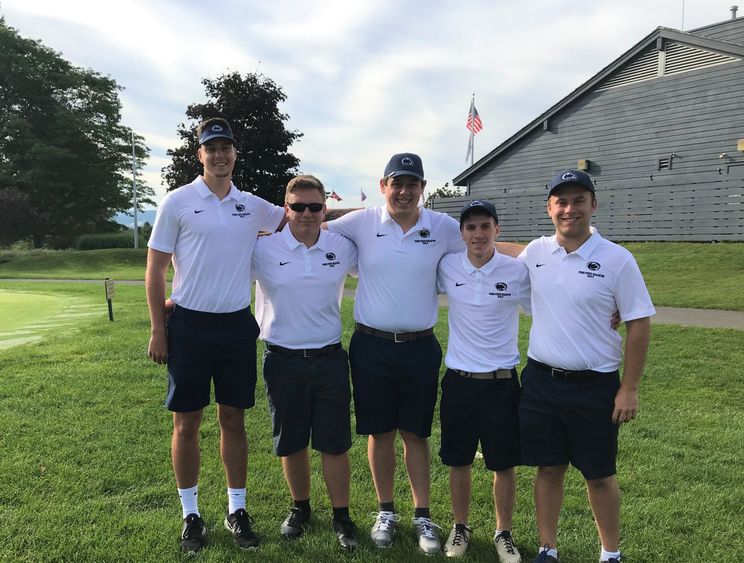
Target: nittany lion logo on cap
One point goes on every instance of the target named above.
(239, 207)
(568, 176)
(475, 202)
(406, 161)
(217, 128)
(501, 286)
(423, 233)
(593, 266)
(330, 256)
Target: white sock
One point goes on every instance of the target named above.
(235, 499)
(189, 500)
(553, 552)
(607, 555)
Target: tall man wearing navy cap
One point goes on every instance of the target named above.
(394, 354)
(573, 399)
(480, 390)
(301, 273)
(208, 229)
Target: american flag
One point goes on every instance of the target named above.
(474, 123)
(335, 196)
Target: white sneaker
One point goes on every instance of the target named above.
(383, 529)
(428, 541)
(458, 541)
(505, 548)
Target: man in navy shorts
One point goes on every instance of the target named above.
(393, 353)
(208, 230)
(301, 273)
(480, 390)
(573, 399)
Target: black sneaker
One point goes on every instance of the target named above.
(240, 524)
(193, 535)
(346, 532)
(295, 523)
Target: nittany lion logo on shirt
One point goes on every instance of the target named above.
(331, 257)
(501, 288)
(240, 210)
(424, 239)
(593, 268)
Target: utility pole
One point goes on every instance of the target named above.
(134, 195)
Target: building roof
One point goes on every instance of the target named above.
(654, 38)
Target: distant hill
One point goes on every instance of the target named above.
(146, 216)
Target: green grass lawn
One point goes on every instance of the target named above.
(707, 276)
(85, 473)
(23, 309)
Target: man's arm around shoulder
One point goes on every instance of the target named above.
(157, 266)
(636, 346)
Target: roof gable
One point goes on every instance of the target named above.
(664, 51)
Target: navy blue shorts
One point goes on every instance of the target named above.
(565, 422)
(211, 346)
(395, 384)
(485, 410)
(309, 396)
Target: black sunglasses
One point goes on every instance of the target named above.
(300, 207)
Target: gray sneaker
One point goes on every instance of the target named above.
(458, 541)
(428, 541)
(383, 529)
(505, 548)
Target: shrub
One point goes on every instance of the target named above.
(108, 240)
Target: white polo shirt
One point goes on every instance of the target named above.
(573, 299)
(299, 289)
(483, 311)
(397, 271)
(212, 242)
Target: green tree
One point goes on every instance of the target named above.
(250, 104)
(444, 191)
(62, 146)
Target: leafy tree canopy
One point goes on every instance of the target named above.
(65, 158)
(250, 104)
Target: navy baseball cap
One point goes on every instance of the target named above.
(571, 177)
(482, 206)
(403, 164)
(216, 131)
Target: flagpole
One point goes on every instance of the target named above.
(472, 134)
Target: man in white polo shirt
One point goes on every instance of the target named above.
(573, 400)
(394, 354)
(301, 273)
(208, 229)
(480, 390)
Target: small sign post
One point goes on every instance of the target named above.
(110, 292)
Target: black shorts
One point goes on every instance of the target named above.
(309, 396)
(565, 422)
(207, 346)
(485, 410)
(395, 384)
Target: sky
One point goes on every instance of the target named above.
(364, 79)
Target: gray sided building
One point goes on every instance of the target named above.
(661, 131)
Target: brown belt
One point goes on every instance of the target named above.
(497, 374)
(395, 336)
(330, 349)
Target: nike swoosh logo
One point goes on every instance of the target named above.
(538, 265)
(199, 210)
(283, 263)
(382, 235)
(458, 284)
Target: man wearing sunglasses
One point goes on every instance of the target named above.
(394, 354)
(208, 229)
(301, 273)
